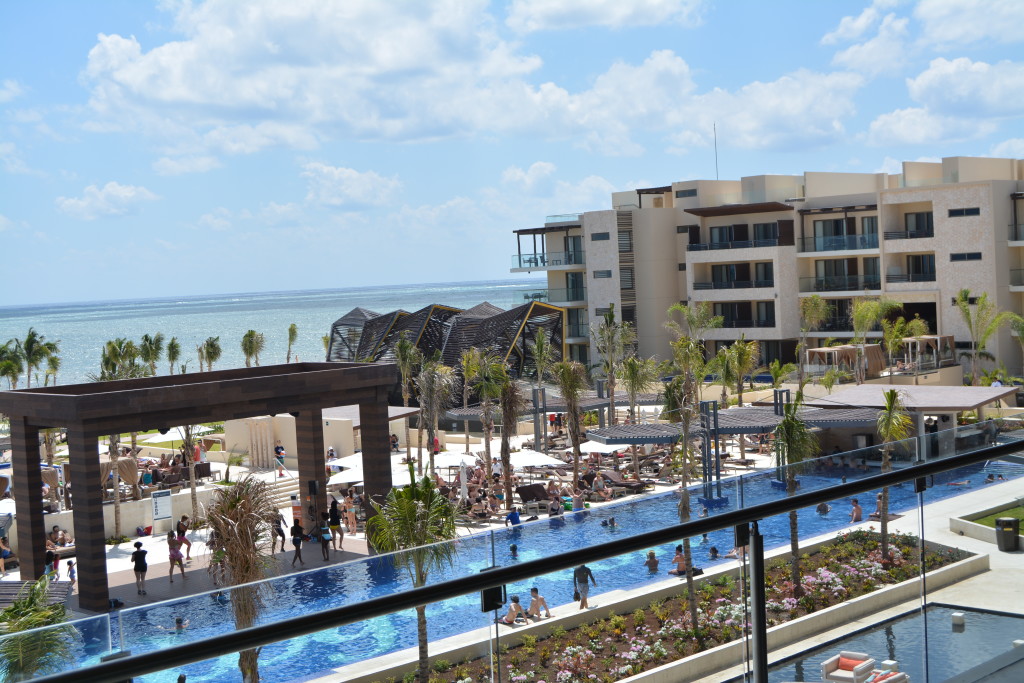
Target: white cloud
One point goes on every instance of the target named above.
(5, 223)
(916, 126)
(535, 176)
(970, 88)
(890, 166)
(1012, 148)
(179, 165)
(539, 15)
(335, 186)
(219, 219)
(851, 28)
(885, 53)
(113, 199)
(9, 90)
(962, 22)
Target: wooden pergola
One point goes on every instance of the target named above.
(90, 411)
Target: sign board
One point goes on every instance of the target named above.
(161, 505)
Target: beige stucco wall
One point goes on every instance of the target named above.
(832, 184)
(656, 270)
(602, 255)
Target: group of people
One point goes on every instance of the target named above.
(329, 529)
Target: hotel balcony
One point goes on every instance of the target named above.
(577, 333)
(731, 323)
(1017, 280)
(551, 260)
(733, 284)
(898, 278)
(838, 243)
(1016, 234)
(908, 234)
(739, 244)
(556, 297)
(840, 283)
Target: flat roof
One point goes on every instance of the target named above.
(916, 398)
(351, 412)
(739, 209)
(547, 228)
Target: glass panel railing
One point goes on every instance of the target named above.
(892, 278)
(562, 218)
(839, 243)
(840, 283)
(1017, 277)
(1016, 232)
(578, 330)
(733, 284)
(738, 244)
(548, 259)
(908, 234)
(58, 648)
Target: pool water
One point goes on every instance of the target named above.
(948, 652)
(337, 585)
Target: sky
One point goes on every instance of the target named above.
(173, 148)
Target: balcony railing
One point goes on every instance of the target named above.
(840, 283)
(733, 284)
(743, 244)
(562, 217)
(910, 277)
(578, 330)
(1017, 232)
(839, 243)
(1017, 277)
(736, 322)
(548, 259)
(908, 234)
(568, 294)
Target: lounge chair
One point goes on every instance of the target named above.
(615, 479)
(847, 667)
(531, 493)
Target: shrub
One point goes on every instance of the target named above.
(117, 540)
(442, 665)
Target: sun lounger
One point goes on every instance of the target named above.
(615, 479)
(531, 493)
(847, 667)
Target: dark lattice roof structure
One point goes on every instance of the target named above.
(367, 336)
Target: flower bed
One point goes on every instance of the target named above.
(620, 646)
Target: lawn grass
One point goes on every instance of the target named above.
(990, 520)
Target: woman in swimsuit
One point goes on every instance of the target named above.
(337, 533)
(174, 554)
(325, 535)
(140, 567)
(182, 528)
(350, 512)
(297, 533)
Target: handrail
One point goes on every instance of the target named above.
(286, 629)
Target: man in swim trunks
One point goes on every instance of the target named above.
(515, 610)
(582, 577)
(537, 603)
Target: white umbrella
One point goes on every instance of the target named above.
(176, 434)
(595, 447)
(529, 458)
(450, 459)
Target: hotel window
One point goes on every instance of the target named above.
(626, 278)
(921, 222)
(967, 256)
(721, 234)
(766, 231)
(682, 194)
(958, 213)
(602, 274)
(600, 236)
(869, 225)
(682, 266)
(764, 274)
(625, 241)
(684, 229)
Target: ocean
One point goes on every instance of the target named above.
(84, 328)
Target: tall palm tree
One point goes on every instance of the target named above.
(795, 443)
(893, 425)
(326, 341)
(34, 350)
(253, 343)
(173, 353)
(489, 380)
(780, 371)
(408, 358)
(43, 650)
(151, 348)
(866, 313)
(469, 363)
(239, 518)
(11, 363)
(52, 367)
(814, 311)
(211, 352)
(187, 450)
(411, 523)
(982, 322)
(293, 336)
(571, 379)
(746, 354)
(201, 352)
(722, 365)
(436, 385)
(544, 354)
(513, 402)
(698, 318)
(611, 341)
(639, 375)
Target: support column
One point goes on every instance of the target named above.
(309, 438)
(27, 489)
(373, 426)
(90, 534)
(758, 626)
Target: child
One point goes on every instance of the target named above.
(72, 574)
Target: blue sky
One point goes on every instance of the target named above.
(176, 148)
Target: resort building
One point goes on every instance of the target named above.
(753, 247)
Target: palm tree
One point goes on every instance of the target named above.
(866, 314)
(201, 352)
(513, 402)
(239, 518)
(326, 341)
(981, 323)
(571, 378)
(795, 443)
(150, 350)
(253, 343)
(187, 450)
(893, 425)
(814, 311)
(293, 336)
(543, 353)
(639, 375)
(722, 365)
(611, 341)
(780, 371)
(698, 318)
(489, 380)
(211, 352)
(34, 349)
(43, 650)
(407, 357)
(52, 368)
(173, 353)
(411, 524)
(469, 363)
(745, 357)
(436, 384)
(11, 363)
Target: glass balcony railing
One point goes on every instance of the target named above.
(548, 259)
(840, 283)
(894, 278)
(578, 330)
(1017, 277)
(839, 243)
(569, 295)
(1016, 232)
(741, 244)
(738, 322)
(562, 217)
(733, 284)
(908, 234)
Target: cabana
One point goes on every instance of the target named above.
(928, 352)
(846, 356)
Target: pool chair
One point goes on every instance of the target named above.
(847, 667)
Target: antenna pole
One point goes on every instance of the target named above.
(714, 128)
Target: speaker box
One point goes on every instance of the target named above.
(741, 534)
(314, 487)
(492, 598)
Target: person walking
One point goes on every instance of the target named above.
(174, 555)
(140, 567)
(297, 534)
(182, 529)
(278, 533)
(72, 574)
(337, 533)
(350, 511)
(325, 535)
(582, 577)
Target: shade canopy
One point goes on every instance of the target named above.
(846, 354)
(918, 398)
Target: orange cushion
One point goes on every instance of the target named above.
(885, 676)
(847, 664)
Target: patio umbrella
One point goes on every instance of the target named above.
(595, 447)
(449, 459)
(530, 458)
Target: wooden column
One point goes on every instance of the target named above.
(309, 437)
(90, 534)
(27, 489)
(373, 430)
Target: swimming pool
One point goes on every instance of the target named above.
(949, 652)
(137, 629)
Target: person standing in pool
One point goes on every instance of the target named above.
(174, 555)
(140, 567)
(297, 533)
(856, 513)
(582, 577)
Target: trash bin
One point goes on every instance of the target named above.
(1007, 533)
